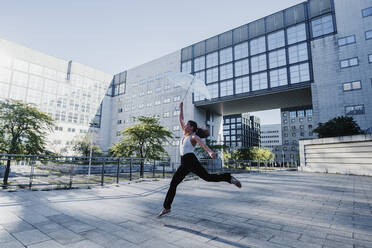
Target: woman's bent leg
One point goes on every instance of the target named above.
(199, 170)
(180, 174)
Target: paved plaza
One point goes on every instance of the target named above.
(279, 209)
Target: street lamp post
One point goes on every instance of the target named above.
(91, 151)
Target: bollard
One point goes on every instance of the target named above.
(31, 173)
(103, 172)
(117, 171)
(130, 169)
(71, 170)
(153, 169)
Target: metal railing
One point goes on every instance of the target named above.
(42, 171)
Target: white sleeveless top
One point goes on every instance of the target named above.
(186, 146)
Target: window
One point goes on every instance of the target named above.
(300, 113)
(309, 118)
(176, 98)
(226, 71)
(241, 50)
(119, 122)
(322, 26)
(241, 85)
(297, 53)
(258, 63)
(213, 90)
(370, 58)
(277, 58)
(349, 62)
(120, 110)
(346, 40)
(227, 88)
(225, 55)
(367, 12)
(212, 59)
(299, 73)
(292, 114)
(369, 35)
(176, 128)
(200, 75)
(356, 85)
(176, 112)
(354, 110)
(199, 63)
(278, 77)
(166, 114)
(258, 45)
(167, 100)
(212, 75)
(275, 40)
(296, 33)
(241, 67)
(186, 67)
(259, 81)
(309, 112)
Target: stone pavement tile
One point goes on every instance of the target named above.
(6, 237)
(11, 244)
(157, 243)
(20, 226)
(105, 239)
(107, 226)
(344, 240)
(7, 217)
(290, 242)
(32, 217)
(188, 242)
(311, 239)
(265, 224)
(336, 244)
(253, 242)
(46, 244)
(132, 236)
(362, 236)
(83, 244)
(46, 211)
(48, 226)
(135, 226)
(31, 237)
(61, 218)
(77, 226)
(64, 236)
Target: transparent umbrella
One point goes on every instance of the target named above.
(188, 81)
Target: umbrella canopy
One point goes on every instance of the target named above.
(188, 81)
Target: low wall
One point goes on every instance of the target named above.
(345, 155)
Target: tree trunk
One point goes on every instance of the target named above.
(6, 174)
(141, 168)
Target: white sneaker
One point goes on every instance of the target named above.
(236, 182)
(164, 212)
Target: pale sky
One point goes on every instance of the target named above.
(117, 35)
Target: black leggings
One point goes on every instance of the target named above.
(189, 163)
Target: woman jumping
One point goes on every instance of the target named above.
(189, 162)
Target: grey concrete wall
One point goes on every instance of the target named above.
(345, 155)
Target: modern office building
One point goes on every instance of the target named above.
(297, 124)
(271, 136)
(241, 130)
(68, 91)
(317, 53)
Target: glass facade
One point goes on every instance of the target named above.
(261, 55)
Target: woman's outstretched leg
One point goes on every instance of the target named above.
(180, 174)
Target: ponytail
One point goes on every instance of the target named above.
(202, 133)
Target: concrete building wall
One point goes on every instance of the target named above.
(346, 155)
(329, 97)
